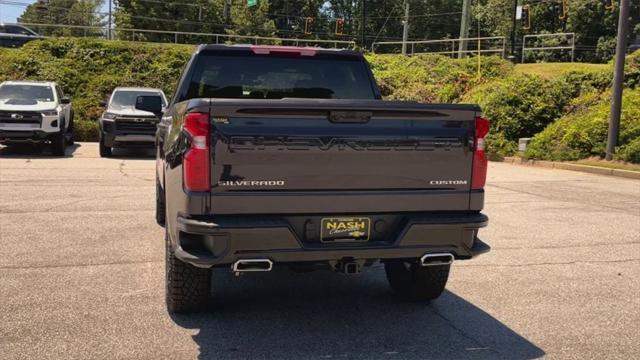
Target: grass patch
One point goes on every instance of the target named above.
(553, 70)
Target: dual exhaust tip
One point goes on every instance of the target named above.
(251, 265)
(436, 259)
(255, 265)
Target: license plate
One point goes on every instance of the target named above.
(345, 229)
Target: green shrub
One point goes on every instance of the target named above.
(85, 130)
(89, 69)
(433, 78)
(583, 133)
(517, 106)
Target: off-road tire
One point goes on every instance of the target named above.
(59, 144)
(413, 282)
(105, 151)
(160, 205)
(188, 287)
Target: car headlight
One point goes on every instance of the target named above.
(109, 116)
(53, 112)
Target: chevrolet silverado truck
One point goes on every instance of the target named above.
(284, 156)
(35, 112)
(122, 125)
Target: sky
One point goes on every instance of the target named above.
(9, 12)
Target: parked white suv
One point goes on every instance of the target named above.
(123, 126)
(35, 112)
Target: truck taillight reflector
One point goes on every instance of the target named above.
(195, 164)
(479, 176)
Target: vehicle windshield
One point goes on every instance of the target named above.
(275, 77)
(26, 92)
(126, 98)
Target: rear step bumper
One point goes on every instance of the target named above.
(207, 242)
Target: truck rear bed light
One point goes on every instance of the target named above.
(266, 50)
(196, 165)
(480, 163)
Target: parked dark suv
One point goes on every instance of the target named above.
(14, 35)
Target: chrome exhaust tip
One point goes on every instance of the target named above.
(248, 265)
(436, 259)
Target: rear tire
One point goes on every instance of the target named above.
(59, 144)
(188, 286)
(160, 205)
(105, 151)
(413, 282)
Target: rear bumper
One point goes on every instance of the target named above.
(207, 242)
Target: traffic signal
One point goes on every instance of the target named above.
(526, 18)
(308, 25)
(339, 26)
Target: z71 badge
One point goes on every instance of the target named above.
(345, 229)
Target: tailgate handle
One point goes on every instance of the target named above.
(350, 117)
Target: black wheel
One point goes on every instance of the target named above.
(59, 144)
(188, 286)
(160, 206)
(105, 151)
(413, 282)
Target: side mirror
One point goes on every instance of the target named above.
(103, 103)
(65, 100)
(150, 103)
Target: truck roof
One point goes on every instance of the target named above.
(265, 49)
(146, 89)
(29, 82)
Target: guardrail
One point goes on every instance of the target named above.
(493, 44)
(182, 37)
(561, 36)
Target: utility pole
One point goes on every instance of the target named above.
(226, 12)
(405, 29)
(464, 28)
(618, 77)
(110, 22)
(364, 23)
(513, 30)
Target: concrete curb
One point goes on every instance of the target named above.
(574, 167)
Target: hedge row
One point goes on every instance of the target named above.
(519, 105)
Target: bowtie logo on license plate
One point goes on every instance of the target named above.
(345, 229)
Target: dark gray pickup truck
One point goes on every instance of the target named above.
(282, 156)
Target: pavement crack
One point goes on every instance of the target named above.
(555, 263)
(56, 266)
(566, 246)
(464, 334)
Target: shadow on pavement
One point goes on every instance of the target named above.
(134, 153)
(28, 151)
(325, 315)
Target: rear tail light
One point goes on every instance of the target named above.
(196, 165)
(479, 175)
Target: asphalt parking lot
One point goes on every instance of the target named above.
(82, 266)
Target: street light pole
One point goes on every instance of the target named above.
(110, 22)
(364, 23)
(618, 77)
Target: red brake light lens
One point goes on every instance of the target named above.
(480, 162)
(195, 165)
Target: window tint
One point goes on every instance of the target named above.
(128, 97)
(26, 92)
(275, 77)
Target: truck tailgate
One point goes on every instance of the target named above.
(341, 146)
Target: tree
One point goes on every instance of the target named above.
(63, 12)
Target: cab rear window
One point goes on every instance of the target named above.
(254, 76)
